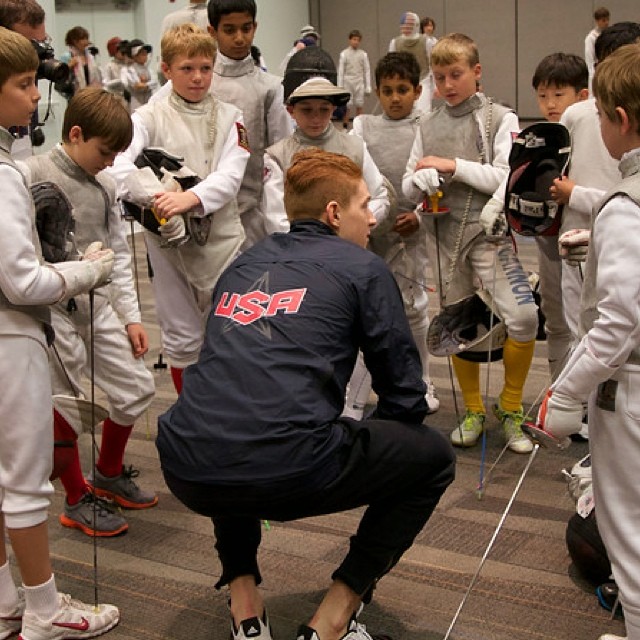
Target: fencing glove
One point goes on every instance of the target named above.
(493, 220)
(560, 415)
(573, 246)
(93, 270)
(427, 180)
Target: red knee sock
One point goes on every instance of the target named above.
(114, 440)
(72, 479)
(176, 376)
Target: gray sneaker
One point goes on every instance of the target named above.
(122, 489)
(108, 521)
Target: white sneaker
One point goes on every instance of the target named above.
(11, 622)
(74, 619)
(252, 629)
(582, 468)
(610, 636)
(432, 398)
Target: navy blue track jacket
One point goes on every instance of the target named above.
(288, 317)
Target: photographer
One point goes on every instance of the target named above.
(26, 17)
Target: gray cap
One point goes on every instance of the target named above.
(308, 30)
(320, 88)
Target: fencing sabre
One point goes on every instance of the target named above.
(505, 513)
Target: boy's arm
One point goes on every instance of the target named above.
(279, 122)
(410, 190)
(23, 279)
(379, 203)
(272, 204)
(615, 332)
(341, 69)
(584, 199)
(222, 184)
(122, 288)
(367, 74)
(487, 177)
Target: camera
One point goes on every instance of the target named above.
(49, 68)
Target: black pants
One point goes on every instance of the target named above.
(398, 470)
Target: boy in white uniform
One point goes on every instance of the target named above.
(210, 136)
(354, 74)
(311, 105)
(605, 366)
(467, 142)
(96, 127)
(39, 612)
(389, 138)
(136, 77)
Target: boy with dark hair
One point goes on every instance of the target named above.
(354, 74)
(27, 286)
(389, 138)
(259, 95)
(603, 368)
(324, 296)
(466, 142)
(96, 127)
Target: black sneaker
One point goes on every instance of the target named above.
(122, 489)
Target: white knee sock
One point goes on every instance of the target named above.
(43, 599)
(8, 591)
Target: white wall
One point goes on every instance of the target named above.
(279, 23)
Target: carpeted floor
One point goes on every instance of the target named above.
(161, 573)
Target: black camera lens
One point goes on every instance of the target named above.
(53, 71)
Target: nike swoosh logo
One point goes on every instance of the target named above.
(78, 626)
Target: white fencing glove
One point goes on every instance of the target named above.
(80, 276)
(493, 220)
(573, 246)
(174, 231)
(560, 415)
(427, 180)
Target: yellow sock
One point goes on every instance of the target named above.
(468, 374)
(517, 358)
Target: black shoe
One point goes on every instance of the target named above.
(607, 595)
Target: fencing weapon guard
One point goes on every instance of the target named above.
(505, 513)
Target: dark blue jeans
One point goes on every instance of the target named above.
(398, 470)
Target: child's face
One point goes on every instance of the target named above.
(428, 29)
(354, 42)
(191, 77)
(397, 97)
(553, 100)
(458, 81)
(92, 155)
(19, 97)
(141, 57)
(235, 35)
(312, 115)
(602, 23)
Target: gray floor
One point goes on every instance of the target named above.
(161, 573)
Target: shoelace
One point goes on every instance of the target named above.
(104, 507)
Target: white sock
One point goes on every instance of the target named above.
(43, 599)
(8, 591)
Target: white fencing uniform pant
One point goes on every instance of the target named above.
(551, 272)
(615, 450)
(126, 381)
(182, 310)
(571, 291)
(26, 432)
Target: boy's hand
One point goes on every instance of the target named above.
(493, 220)
(573, 246)
(138, 339)
(561, 189)
(427, 180)
(406, 223)
(441, 165)
(171, 203)
(560, 415)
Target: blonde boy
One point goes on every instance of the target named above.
(604, 366)
(466, 143)
(26, 430)
(190, 123)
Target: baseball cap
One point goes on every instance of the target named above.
(136, 45)
(309, 30)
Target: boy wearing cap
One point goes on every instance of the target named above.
(136, 77)
(112, 71)
(311, 106)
